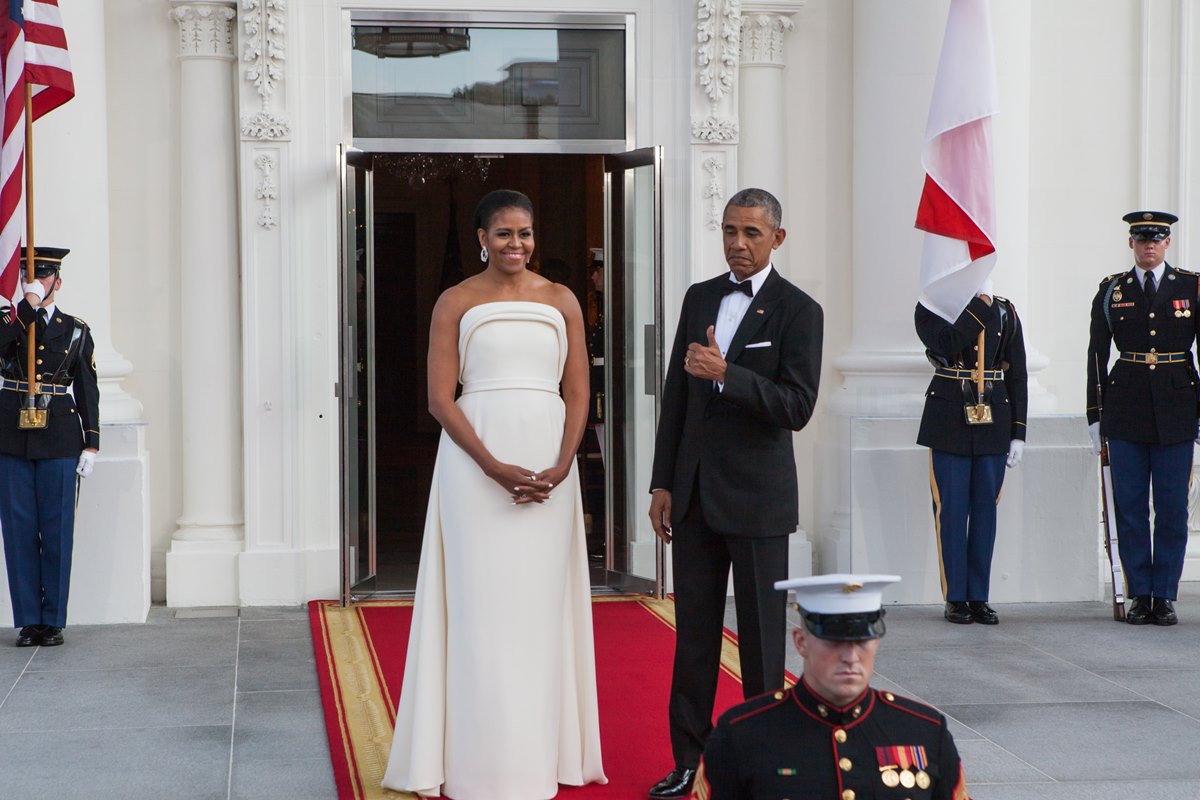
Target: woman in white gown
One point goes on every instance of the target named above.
(499, 693)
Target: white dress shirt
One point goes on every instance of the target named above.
(733, 308)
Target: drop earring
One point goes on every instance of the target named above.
(483, 255)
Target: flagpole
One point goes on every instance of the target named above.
(30, 418)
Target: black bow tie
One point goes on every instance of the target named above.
(744, 287)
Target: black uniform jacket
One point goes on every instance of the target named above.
(74, 417)
(944, 424)
(1144, 403)
(736, 444)
(792, 745)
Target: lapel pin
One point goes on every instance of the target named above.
(758, 311)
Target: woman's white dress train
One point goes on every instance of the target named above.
(499, 693)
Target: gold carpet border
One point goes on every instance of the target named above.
(366, 720)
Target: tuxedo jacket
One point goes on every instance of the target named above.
(735, 446)
(1152, 405)
(74, 417)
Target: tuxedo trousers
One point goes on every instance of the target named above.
(700, 560)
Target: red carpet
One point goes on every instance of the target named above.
(360, 654)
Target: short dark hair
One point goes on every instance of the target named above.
(758, 198)
(495, 202)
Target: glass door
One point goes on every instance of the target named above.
(356, 386)
(633, 304)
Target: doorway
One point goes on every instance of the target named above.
(409, 235)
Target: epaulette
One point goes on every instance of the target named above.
(909, 705)
(1186, 272)
(755, 705)
(1112, 277)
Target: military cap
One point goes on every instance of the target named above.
(1150, 225)
(841, 608)
(46, 260)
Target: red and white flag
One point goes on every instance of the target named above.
(34, 50)
(958, 209)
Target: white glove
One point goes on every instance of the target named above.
(87, 460)
(1094, 432)
(36, 288)
(1015, 449)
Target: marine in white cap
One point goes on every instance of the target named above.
(832, 735)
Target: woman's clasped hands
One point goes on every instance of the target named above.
(525, 485)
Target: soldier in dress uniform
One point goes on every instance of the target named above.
(832, 735)
(971, 436)
(40, 468)
(1148, 410)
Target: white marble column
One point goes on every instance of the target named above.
(762, 151)
(202, 563)
(70, 142)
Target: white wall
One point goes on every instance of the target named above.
(143, 84)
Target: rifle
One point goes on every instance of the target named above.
(1108, 512)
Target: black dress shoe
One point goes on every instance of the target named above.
(30, 636)
(982, 613)
(959, 613)
(677, 784)
(51, 636)
(1163, 612)
(1138, 612)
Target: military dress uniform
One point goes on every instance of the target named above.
(38, 481)
(967, 461)
(799, 745)
(792, 745)
(1147, 408)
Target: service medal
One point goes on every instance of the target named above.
(907, 780)
(1178, 313)
(923, 779)
(890, 778)
(1116, 295)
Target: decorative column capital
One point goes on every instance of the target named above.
(762, 38)
(205, 28)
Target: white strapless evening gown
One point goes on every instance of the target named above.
(499, 693)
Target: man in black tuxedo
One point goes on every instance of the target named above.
(742, 377)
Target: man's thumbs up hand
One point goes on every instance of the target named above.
(705, 360)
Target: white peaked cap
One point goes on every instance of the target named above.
(839, 594)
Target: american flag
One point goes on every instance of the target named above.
(34, 48)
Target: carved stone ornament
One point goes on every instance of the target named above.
(715, 129)
(266, 191)
(713, 191)
(718, 39)
(205, 29)
(266, 126)
(762, 38)
(265, 47)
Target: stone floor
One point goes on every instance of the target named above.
(1056, 703)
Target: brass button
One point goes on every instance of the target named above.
(41, 347)
(779, 695)
(37, 377)
(1154, 333)
(839, 736)
(848, 794)
(39, 361)
(976, 347)
(72, 411)
(1152, 366)
(1153, 349)
(889, 696)
(845, 764)
(1151, 315)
